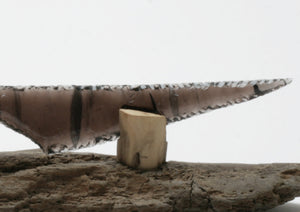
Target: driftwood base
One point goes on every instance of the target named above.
(32, 181)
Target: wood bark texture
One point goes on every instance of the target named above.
(33, 181)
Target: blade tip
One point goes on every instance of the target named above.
(288, 80)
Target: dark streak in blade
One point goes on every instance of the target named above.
(154, 105)
(18, 106)
(76, 116)
(90, 105)
(257, 91)
(173, 98)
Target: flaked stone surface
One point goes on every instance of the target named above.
(33, 181)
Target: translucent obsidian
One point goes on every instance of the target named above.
(58, 118)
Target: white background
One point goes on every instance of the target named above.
(167, 41)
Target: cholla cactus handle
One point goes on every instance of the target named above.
(70, 117)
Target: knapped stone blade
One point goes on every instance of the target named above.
(70, 117)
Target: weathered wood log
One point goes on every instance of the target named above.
(33, 181)
(142, 142)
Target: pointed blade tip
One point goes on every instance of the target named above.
(288, 80)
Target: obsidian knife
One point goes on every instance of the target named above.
(70, 117)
